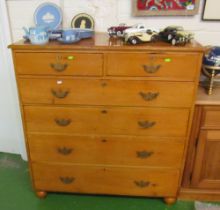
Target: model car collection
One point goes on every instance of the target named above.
(139, 33)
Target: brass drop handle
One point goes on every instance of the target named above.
(142, 183)
(64, 150)
(63, 122)
(103, 84)
(146, 124)
(59, 67)
(149, 96)
(151, 68)
(67, 180)
(60, 93)
(144, 154)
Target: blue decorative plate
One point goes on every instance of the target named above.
(48, 14)
(69, 41)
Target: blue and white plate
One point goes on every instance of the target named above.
(49, 15)
(64, 41)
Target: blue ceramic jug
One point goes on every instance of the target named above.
(38, 35)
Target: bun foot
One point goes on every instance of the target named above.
(169, 200)
(41, 194)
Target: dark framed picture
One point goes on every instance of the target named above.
(211, 10)
(165, 7)
(82, 20)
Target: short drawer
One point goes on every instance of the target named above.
(110, 150)
(181, 66)
(211, 117)
(107, 120)
(106, 92)
(105, 180)
(76, 64)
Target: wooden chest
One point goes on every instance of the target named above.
(104, 118)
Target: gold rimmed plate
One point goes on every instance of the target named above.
(83, 21)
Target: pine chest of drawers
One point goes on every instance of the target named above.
(104, 118)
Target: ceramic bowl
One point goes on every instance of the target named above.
(84, 33)
(70, 35)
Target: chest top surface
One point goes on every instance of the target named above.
(101, 41)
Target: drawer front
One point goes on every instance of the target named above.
(106, 92)
(181, 66)
(106, 120)
(111, 150)
(59, 64)
(105, 180)
(211, 117)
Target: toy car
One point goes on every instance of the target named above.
(136, 28)
(175, 35)
(118, 30)
(140, 37)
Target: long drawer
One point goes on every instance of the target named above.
(106, 92)
(89, 64)
(107, 120)
(110, 150)
(179, 66)
(106, 180)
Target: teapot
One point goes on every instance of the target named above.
(38, 35)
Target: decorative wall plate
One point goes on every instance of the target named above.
(48, 14)
(83, 21)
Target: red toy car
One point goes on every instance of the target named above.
(117, 30)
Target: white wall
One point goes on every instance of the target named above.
(110, 12)
(11, 135)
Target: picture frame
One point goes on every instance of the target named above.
(211, 10)
(165, 7)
